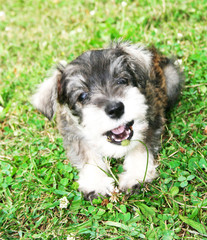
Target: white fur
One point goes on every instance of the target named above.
(46, 94)
(92, 177)
(96, 123)
(135, 165)
(44, 91)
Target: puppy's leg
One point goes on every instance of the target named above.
(93, 180)
(135, 165)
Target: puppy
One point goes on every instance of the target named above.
(111, 103)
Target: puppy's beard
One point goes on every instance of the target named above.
(96, 124)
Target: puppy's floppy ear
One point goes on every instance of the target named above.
(45, 99)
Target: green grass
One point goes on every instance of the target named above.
(34, 171)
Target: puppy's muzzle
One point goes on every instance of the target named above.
(114, 110)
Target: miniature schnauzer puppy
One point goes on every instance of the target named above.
(103, 98)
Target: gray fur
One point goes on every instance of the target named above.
(174, 82)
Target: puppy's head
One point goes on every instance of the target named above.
(103, 90)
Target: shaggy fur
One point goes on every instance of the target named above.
(107, 96)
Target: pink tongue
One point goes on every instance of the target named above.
(118, 130)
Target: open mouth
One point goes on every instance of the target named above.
(117, 135)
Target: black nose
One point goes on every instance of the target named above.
(114, 109)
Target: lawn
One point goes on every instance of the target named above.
(35, 174)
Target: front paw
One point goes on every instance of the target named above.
(127, 181)
(95, 183)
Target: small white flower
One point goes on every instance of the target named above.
(123, 4)
(8, 29)
(115, 195)
(1, 109)
(92, 12)
(71, 237)
(63, 202)
(79, 30)
(2, 16)
(44, 44)
(179, 35)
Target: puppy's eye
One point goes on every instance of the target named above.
(122, 81)
(82, 97)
